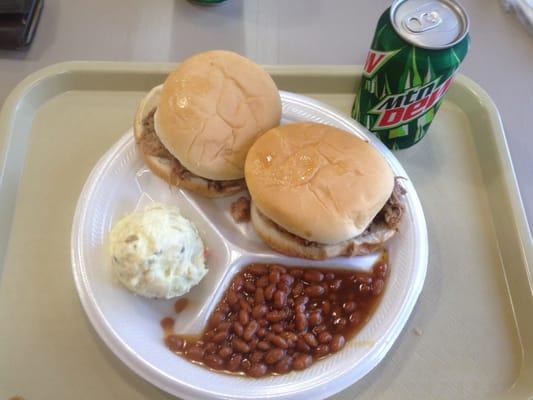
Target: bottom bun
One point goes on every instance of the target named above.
(164, 164)
(286, 243)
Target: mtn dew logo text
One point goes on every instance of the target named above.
(403, 84)
(398, 109)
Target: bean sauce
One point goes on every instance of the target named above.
(274, 319)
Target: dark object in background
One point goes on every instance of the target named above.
(18, 22)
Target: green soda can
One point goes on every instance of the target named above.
(417, 47)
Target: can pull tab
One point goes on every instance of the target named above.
(423, 22)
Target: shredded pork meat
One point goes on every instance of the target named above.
(151, 145)
(240, 209)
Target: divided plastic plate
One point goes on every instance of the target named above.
(120, 183)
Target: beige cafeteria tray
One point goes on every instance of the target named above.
(469, 337)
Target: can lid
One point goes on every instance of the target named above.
(430, 24)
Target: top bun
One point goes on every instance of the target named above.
(212, 108)
(318, 182)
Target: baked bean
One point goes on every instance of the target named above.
(278, 341)
(339, 323)
(275, 316)
(299, 308)
(280, 268)
(249, 286)
(223, 308)
(250, 330)
(302, 346)
(273, 277)
(220, 337)
(280, 299)
(216, 319)
(301, 300)
(240, 346)
(284, 365)
(237, 283)
(174, 343)
(234, 362)
(326, 307)
(276, 328)
(317, 330)
(225, 351)
(349, 307)
(195, 353)
(364, 288)
(288, 335)
(329, 276)
(244, 305)
(337, 343)
(302, 361)
(232, 297)
(259, 296)
(253, 343)
(210, 348)
(287, 279)
(246, 365)
(322, 350)
(257, 370)
(354, 318)
(256, 356)
(297, 289)
(261, 332)
(313, 275)
(324, 337)
(364, 279)
(244, 317)
(284, 288)
(258, 269)
(238, 328)
(336, 284)
(377, 287)
(262, 282)
(380, 270)
(300, 322)
(274, 355)
(314, 290)
(224, 326)
(259, 311)
(310, 339)
(209, 335)
(269, 291)
(263, 345)
(213, 361)
(296, 272)
(315, 318)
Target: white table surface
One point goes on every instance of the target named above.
(280, 32)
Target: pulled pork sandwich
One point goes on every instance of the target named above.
(319, 192)
(194, 131)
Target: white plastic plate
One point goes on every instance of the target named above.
(129, 324)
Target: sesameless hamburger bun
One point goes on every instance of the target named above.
(195, 130)
(319, 192)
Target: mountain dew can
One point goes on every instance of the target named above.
(416, 50)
